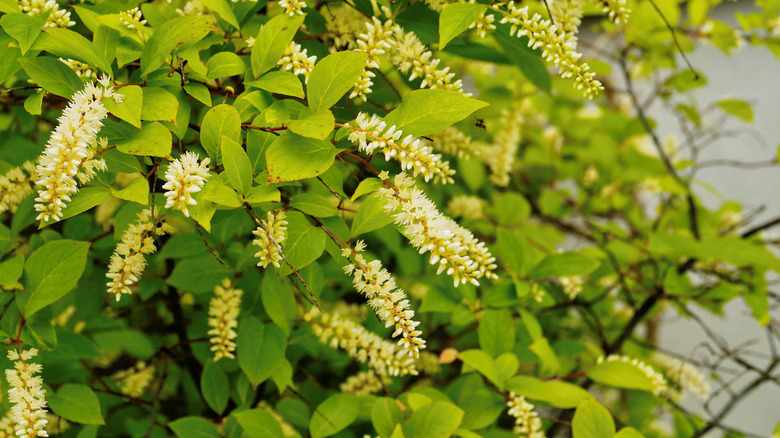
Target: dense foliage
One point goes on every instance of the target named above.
(395, 219)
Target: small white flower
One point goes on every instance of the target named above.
(184, 177)
(223, 318)
(29, 404)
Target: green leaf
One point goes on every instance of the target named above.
(260, 348)
(130, 108)
(385, 414)
(559, 394)
(292, 157)
(332, 77)
(222, 120)
(455, 18)
(279, 82)
(52, 75)
(11, 271)
(304, 244)
(198, 274)
(278, 301)
(137, 191)
(434, 420)
(483, 363)
(260, 194)
(318, 125)
(528, 60)
(76, 403)
(193, 427)
(620, 375)
(510, 247)
(215, 387)
(85, 199)
(314, 205)
(549, 361)
(629, 432)
(225, 64)
(368, 185)
(223, 9)
(737, 108)
(271, 41)
(333, 415)
(159, 104)
(52, 271)
(496, 332)
(169, 37)
(23, 28)
(105, 41)
(592, 420)
(370, 216)
(258, 423)
(153, 139)
(425, 111)
(34, 103)
(567, 263)
(69, 44)
(200, 92)
(237, 165)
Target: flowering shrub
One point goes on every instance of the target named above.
(356, 218)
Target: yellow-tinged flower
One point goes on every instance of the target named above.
(344, 24)
(388, 301)
(194, 8)
(454, 142)
(467, 207)
(411, 56)
(134, 380)
(500, 156)
(373, 134)
(81, 69)
(556, 47)
(185, 176)
(127, 262)
(527, 422)
(71, 150)
(57, 17)
(295, 60)
(15, 185)
(29, 404)
(572, 285)
(364, 383)
(382, 356)
(376, 40)
(615, 9)
(292, 7)
(684, 374)
(452, 247)
(567, 15)
(483, 23)
(223, 318)
(270, 245)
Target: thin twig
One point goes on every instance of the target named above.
(211, 250)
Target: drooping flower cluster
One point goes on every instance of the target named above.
(15, 186)
(295, 60)
(223, 318)
(684, 374)
(658, 382)
(56, 17)
(467, 207)
(556, 47)
(411, 56)
(270, 242)
(185, 176)
(292, 7)
(70, 152)
(132, 18)
(384, 357)
(388, 301)
(500, 156)
(134, 380)
(372, 134)
(364, 383)
(527, 421)
(454, 142)
(567, 15)
(344, 24)
(616, 10)
(29, 405)
(81, 69)
(452, 247)
(193, 8)
(572, 285)
(374, 42)
(127, 262)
